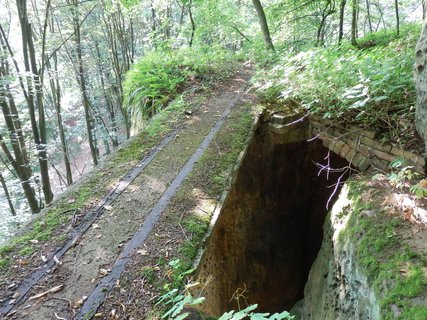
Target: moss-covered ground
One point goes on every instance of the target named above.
(395, 267)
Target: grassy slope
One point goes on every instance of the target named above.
(371, 86)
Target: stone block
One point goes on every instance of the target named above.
(379, 164)
(353, 143)
(408, 156)
(266, 116)
(315, 124)
(350, 155)
(337, 132)
(375, 144)
(365, 164)
(338, 147)
(332, 145)
(278, 128)
(357, 158)
(353, 128)
(419, 169)
(383, 155)
(282, 134)
(361, 162)
(344, 151)
(326, 143)
(320, 119)
(420, 161)
(370, 134)
(353, 136)
(278, 119)
(398, 152)
(315, 117)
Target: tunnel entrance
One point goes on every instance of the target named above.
(269, 231)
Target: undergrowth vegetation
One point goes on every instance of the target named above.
(158, 77)
(370, 85)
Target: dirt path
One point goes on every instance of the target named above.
(89, 265)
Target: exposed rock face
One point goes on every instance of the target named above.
(337, 288)
(421, 84)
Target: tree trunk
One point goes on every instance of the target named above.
(6, 192)
(326, 12)
(341, 24)
(396, 6)
(35, 98)
(424, 6)
(25, 176)
(82, 83)
(153, 25)
(263, 23)
(19, 159)
(354, 23)
(63, 140)
(368, 12)
(193, 24)
(107, 98)
(121, 42)
(420, 69)
(56, 101)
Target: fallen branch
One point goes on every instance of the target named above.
(58, 317)
(52, 290)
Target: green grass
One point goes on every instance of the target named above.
(158, 77)
(4, 262)
(370, 87)
(148, 273)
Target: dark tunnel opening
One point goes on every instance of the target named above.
(270, 229)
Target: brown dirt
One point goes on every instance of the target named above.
(136, 294)
(399, 202)
(90, 259)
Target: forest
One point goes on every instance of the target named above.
(78, 78)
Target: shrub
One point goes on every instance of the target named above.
(158, 77)
(372, 86)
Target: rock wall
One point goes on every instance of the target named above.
(337, 287)
(360, 147)
(421, 84)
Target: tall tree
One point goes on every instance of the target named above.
(16, 154)
(34, 94)
(420, 71)
(354, 21)
(56, 101)
(341, 22)
(7, 194)
(424, 7)
(368, 13)
(264, 25)
(81, 80)
(193, 24)
(396, 8)
(327, 10)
